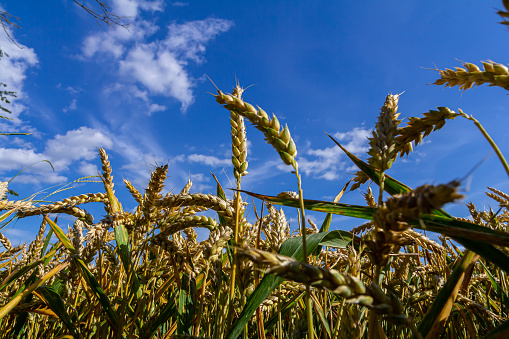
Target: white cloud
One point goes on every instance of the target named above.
(188, 40)
(130, 8)
(38, 178)
(357, 139)
(160, 72)
(156, 108)
(87, 169)
(327, 162)
(199, 182)
(17, 159)
(62, 151)
(159, 65)
(208, 160)
(18, 236)
(114, 42)
(13, 74)
(81, 143)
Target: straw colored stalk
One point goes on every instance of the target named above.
(10, 205)
(67, 206)
(134, 191)
(3, 189)
(240, 164)
(5, 242)
(283, 143)
(155, 186)
(499, 196)
(66, 209)
(493, 74)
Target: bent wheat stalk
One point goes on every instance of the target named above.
(283, 143)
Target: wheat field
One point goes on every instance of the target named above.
(144, 274)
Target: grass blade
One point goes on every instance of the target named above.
(392, 186)
(27, 291)
(53, 300)
(87, 275)
(433, 323)
(15, 275)
(152, 326)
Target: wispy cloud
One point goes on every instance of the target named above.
(208, 160)
(72, 106)
(180, 4)
(131, 8)
(13, 74)
(327, 163)
(158, 65)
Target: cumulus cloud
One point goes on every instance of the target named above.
(17, 159)
(158, 65)
(327, 163)
(62, 151)
(81, 143)
(160, 72)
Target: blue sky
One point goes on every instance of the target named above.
(319, 66)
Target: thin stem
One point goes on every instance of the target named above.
(309, 310)
(202, 301)
(234, 254)
(373, 317)
(490, 140)
(259, 316)
(279, 318)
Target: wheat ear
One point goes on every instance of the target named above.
(279, 138)
(347, 286)
(494, 74)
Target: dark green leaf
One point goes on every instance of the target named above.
(56, 304)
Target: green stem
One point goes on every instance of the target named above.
(373, 317)
(490, 140)
(309, 310)
(234, 256)
(279, 318)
